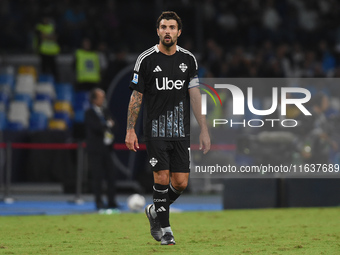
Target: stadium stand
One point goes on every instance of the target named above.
(38, 121)
(31, 70)
(44, 107)
(46, 78)
(26, 98)
(283, 38)
(56, 124)
(45, 88)
(25, 84)
(3, 121)
(18, 113)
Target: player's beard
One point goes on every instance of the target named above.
(169, 44)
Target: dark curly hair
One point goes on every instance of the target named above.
(170, 15)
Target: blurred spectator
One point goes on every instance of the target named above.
(99, 138)
(111, 22)
(47, 46)
(277, 37)
(87, 66)
(73, 25)
(104, 58)
(115, 66)
(326, 58)
(270, 19)
(318, 142)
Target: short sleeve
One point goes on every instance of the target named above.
(137, 79)
(193, 74)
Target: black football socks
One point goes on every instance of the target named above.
(173, 193)
(161, 203)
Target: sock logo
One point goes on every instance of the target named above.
(153, 162)
(159, 200)
(161, 209)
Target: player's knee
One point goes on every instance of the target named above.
(180, 186)
(161, 178)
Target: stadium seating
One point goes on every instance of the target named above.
(65, 116)
(28, 104)
(31, 70)
(44, 97)
(3, 107)
(3, 121)
(5, 94)
(38, 121)
(19, 112)
(57, 125)
(45, 88)
(5, 88)
(15, 126)
(7, 79)
(80, 105)
(79, 115)
(4, 97)
(63, 111)
(64, 92)
(24, 98)
(44, 107)
(25, 84)
(46, 78)
(63, 106)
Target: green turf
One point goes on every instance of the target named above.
(272, 231)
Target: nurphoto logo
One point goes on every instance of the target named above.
(239, 103)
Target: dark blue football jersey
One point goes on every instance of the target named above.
(165, 82)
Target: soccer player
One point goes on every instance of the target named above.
(166, 75)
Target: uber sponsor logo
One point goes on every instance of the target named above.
(167, 84)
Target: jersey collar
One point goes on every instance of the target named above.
(157, 50)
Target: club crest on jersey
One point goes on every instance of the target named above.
(183, 67)
(135, 78)
(153, 162)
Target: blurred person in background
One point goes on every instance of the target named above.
(87, 65)
(104, 58)
(47, 46)
(74, 24)
(318, 141)
(99, 139)
(115, 65)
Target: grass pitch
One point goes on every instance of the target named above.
(268, 231)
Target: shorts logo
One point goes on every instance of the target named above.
(153, 162)
(183, 67)
(135, 78)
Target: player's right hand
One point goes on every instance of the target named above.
(131, 140)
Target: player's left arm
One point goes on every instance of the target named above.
(195, 100)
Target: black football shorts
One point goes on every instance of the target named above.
(169, 155)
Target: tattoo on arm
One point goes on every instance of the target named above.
(134, 107)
